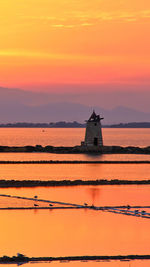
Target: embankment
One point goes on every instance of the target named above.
(24, 259)
(53, 183)
(78, 149)
(75, 162)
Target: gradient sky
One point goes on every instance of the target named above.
(49, 42)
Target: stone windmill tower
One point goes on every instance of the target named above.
(93, 135)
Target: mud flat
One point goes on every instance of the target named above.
(53, 183)
(78, 149)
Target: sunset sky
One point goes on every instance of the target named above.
(44, 43)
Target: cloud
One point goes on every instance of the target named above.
(86, 24)
(42, 18)
(76, 58)
(58, 25)
(145, 14)
(95, 17)
(50, 56)
(88, 18)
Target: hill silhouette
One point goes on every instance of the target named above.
(24, 106)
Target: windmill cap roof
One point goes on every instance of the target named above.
(94, 117)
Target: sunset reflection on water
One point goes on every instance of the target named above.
(71, 136)
(75, 171)
(74, 232)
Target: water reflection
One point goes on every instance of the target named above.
(94, 194)
(77, 232)
(50, 156)
(106, 195)
(72, 233)
(75, 171)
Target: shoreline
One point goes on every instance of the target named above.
(76, 149)
(25, 259)
(75, 162)
(54, 183)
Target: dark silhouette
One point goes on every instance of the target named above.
(36, 183)
(74, 124)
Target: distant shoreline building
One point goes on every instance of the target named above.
(93, 134)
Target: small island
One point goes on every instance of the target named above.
(77, 149)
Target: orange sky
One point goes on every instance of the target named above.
(44, 42)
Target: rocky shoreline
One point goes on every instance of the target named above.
(77, 149)
(20, 259)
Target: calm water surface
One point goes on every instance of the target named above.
(97, 195)
(71, 137)
(74, 171)
(74, 232)
(50, 156)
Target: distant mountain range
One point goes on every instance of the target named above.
(24, 106)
